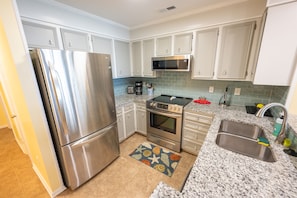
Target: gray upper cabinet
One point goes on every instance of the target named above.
(236, 41)
(164, 46)
(104, 45)
(122, 58)
(73, 40)
(136, 58)
(183, 43)
(148, 49)
(205, 54)
(277, 56)
(40, 36)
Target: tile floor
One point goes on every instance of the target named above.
(18, 179)
(125, 177)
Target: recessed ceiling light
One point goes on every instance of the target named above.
(167, 9)
(171, 8)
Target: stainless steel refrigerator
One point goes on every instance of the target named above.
(78, 98)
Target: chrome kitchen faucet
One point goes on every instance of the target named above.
(281, 136)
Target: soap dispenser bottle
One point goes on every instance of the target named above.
(278, 125)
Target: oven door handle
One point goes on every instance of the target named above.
(165, 114)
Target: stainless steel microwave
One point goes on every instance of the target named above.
(171, 63)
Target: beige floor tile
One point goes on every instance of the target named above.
(18, 180)
(125, 177)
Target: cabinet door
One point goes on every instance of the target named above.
(75, 40)
(104, 45)
(234, 51)
(277, 56)
(40, 36)
(121, 130)
(136, 58)
(148, 49)
(129, 123)
(164, 46)
(141, 121)
(122, 58)
(183, 44)
(205, 53)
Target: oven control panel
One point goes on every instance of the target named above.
(175, 108)
(165, 107)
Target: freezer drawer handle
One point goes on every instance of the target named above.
(87, 140)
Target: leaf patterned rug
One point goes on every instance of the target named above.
(156, 157)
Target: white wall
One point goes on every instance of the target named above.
(60, 14)
(291, 102)
(241, 11)
(23, 92)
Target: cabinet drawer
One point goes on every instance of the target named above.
(140, 106)
(206, 119)
(196, 126)
(196, 136)
(129, 107)
(119, 111)
(191, 147)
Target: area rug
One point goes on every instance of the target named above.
(156, 157)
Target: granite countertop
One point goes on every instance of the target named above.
(130, 98)
(218, 172)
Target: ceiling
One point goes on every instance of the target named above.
(139, 13)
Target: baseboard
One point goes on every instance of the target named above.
(48, 189)
(3, 126)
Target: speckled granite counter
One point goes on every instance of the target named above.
(218, 172)
(129, 98)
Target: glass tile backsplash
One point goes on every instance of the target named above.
(181, 84)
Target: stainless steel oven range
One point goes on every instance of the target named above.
(164, 120)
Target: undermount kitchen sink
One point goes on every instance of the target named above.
(242, 138)
(241, 129)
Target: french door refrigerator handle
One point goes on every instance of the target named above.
(55, 82)
(92, 137)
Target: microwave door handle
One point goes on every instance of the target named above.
(165, 114)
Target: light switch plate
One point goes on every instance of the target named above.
(211, 89)
(237, 91)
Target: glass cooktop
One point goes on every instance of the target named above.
(182, 101)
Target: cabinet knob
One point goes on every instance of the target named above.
(69, 44)
(50, 42)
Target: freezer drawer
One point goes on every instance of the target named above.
(86, 157)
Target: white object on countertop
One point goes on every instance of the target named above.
(150, 91)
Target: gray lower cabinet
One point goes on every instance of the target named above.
(129, 117)
(120, 122)
(195, 129)
(140, 113)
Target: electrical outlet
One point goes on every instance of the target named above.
(237, 91)
(211, 89)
